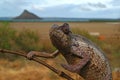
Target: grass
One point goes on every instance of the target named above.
(32, 37)
(27, 70)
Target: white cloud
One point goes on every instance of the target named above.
(59, 2)
(83, 4)
(37, 7)
(60, 7)
(51, 3)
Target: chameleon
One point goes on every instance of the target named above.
(82, 55)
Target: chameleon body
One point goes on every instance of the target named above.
(82, 55)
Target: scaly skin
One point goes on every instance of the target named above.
(83, 56)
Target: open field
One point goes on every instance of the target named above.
(23, 69)
(104, 28)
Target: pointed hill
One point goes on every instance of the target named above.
(27, 15)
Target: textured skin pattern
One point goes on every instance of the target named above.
(83, 56)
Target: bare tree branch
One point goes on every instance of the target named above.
(60, 73)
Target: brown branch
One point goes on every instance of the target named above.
(60, 73)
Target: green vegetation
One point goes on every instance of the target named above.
(12, 40)
(27, 40)
(6, 36)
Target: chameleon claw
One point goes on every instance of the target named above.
(30, 55)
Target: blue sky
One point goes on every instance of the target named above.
(62, 8)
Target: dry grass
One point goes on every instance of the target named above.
(26, 70)
(106, 28)
(116, 75)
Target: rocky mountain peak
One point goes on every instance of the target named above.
(27, 15)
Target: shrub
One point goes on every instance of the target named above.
(27, 40)
(7, 35)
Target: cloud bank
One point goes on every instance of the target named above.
(63, 8)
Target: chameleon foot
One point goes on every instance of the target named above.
(71, 68)
(30, 55)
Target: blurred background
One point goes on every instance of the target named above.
(24, 26)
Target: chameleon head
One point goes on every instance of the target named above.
(59, 35)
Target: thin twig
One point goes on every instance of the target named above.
(60, 73)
